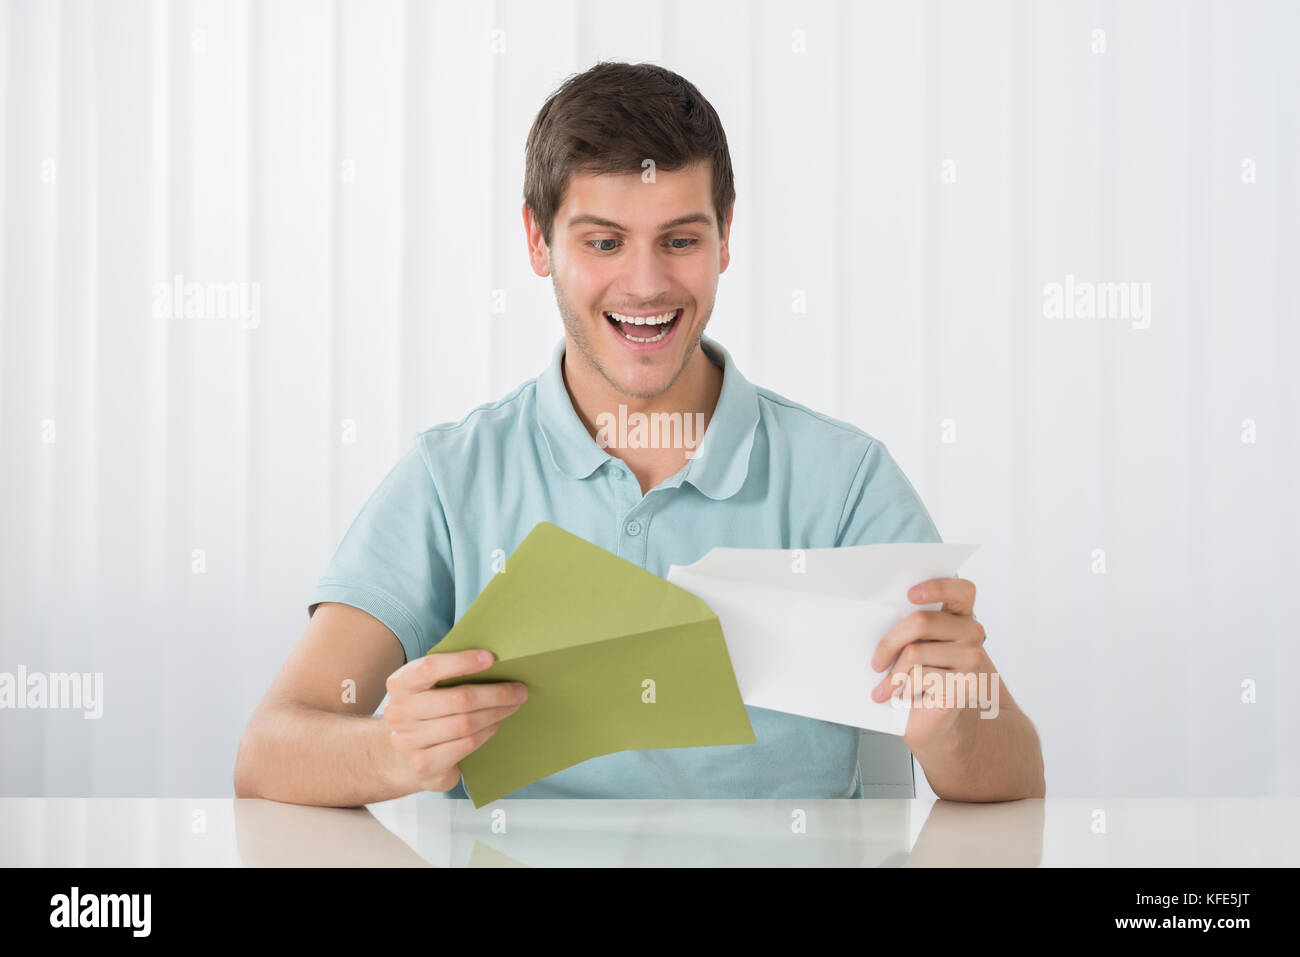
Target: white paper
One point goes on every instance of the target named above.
(801, 626)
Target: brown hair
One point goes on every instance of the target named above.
(610, 119)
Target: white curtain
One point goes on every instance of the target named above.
(912, 179)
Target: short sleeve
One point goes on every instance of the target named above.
(882, 506)
(395, 562)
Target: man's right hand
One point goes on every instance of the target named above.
(433, 728)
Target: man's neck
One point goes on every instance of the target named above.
(695, 393)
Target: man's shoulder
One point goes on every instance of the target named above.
(810, 431)
(492, 422)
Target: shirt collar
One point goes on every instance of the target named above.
(720, 464)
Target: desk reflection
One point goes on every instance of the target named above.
(690, 833)
(1008, 834)
(270, 834)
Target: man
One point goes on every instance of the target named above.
(628, 205)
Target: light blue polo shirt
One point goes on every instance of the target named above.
(770, 473)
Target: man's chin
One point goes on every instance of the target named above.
(644, 377)
(639, 389)
(638, 378)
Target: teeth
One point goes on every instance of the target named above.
(645, 320)
(654, 338)
(648, 320)
(662, 320)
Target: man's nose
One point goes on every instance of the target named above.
(646, 279)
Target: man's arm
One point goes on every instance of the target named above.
(986, 759)
(972, 739)
(314, 738)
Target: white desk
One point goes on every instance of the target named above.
(429, 830)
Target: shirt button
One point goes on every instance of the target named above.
(633, 528)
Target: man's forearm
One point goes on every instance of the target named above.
(987, 759)
(302, 755)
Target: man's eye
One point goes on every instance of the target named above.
(595, 244)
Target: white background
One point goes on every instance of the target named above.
(363, 163)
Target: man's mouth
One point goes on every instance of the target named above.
(644, 329)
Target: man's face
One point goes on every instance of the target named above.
(638, 250)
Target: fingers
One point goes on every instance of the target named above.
(432, 747)
(436, 731)
(437, 767)
(929, 656)
(957, 594)
(935, 654)
(434, 728)
(914, 685)
(423, 673)
(437, 702)
(938, 626)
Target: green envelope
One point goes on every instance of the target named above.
(593, 636)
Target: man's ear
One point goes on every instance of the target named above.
(724, 253)
(538, 255)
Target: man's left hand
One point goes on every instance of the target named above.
(939, 642)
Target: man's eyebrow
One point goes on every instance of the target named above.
(701, 218)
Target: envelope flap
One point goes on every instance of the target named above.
(558, 590)
(882, 572)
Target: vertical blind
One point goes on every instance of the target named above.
(1045, 252)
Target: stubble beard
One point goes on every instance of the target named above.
(574, 328)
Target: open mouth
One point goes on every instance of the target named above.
(644, 330)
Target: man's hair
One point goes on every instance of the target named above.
(612, 118)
